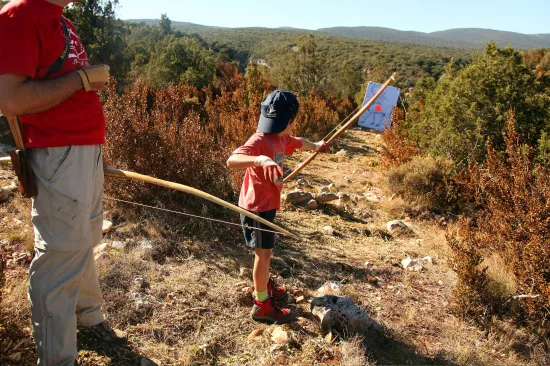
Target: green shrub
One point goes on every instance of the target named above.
(425, 181)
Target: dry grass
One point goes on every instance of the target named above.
(198, 316)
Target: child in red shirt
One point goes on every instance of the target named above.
(263, 157)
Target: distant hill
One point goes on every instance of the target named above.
(463, 37)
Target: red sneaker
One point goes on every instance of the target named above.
(276, 291)
(268, 312)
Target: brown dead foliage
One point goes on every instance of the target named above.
(397, 148)
(513, 218)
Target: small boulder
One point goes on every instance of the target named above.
(107, 226)
(280, 336)
(399, 227)
(324, 190)
(340, 314)
(332, 188)
(330, 287)
(344, 197)
(342, 152)
(329, 230)
(101, 248)
(149, 362)
(255, 333)
(303, 183)
(326, 197)
(120, 245)
(298, 197)
(312, 205)
(411, 264)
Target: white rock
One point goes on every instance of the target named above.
(280, 336)
(332, 187)
(371, 197)
(312, 205)
(101, 257)
(298, 197)
(427, 259)
(342, 153)
(411, 264)
(120, 245)
(11, 188)
(342, 315)
(303, 183)
(330, 287)
(347, 180)
(399, 227)
(329, 230)
(326, 197)
(107, 226)
(101, 248)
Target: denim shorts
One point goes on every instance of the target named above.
(258, 238)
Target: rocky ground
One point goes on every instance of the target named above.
(369, 282)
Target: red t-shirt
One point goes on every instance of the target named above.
(31, 40)
(257, 193)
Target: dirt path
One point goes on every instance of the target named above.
(182, 301)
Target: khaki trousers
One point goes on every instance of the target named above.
(67, 215)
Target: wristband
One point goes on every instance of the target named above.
(85, 80)
(263, 160)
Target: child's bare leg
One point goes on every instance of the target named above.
(261, 270)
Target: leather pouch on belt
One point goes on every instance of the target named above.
(25, 175)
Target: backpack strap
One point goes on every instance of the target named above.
(58, 64)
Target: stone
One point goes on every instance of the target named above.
(101, 257)
(245, 272)
(120, 245)
(340, 314)
(330, 287)
(255, 333)
(399, 227)
(342, 153)
(411, 265)
(344, 197)
(332, 188)
(324, 190)
(146, 247)
(371, 197)
(300, 300)
(312, 205)
(427, 260)
(149, 362)
(298, 197)
(101, 248)
(326, 197)
(372, 279)
(280, 336)
(347, 180)
(303, 183)
(107, 226)
(12, 187)
(4, 195)
(329, 230)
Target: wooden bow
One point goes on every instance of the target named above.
(117, 173)
(343, 128)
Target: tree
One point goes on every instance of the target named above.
(100, 32)
(302, 68)
(180, 60)
(470, 106)
(165, 25)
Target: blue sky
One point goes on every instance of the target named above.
(527, 16)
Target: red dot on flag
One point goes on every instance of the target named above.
(379, 108)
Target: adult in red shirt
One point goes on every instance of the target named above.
(63, 127)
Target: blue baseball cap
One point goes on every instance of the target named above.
(276, 111)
